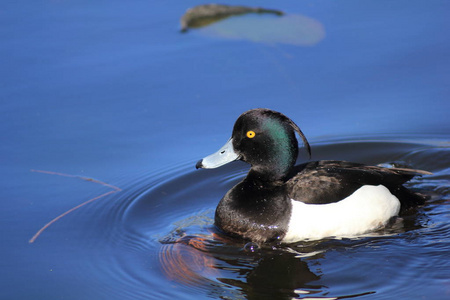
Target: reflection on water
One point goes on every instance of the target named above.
(293, 29)
(281, 272)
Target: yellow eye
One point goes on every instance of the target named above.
(251, 134)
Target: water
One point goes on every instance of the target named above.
(114, 92)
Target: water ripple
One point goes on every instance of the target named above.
(159, 229)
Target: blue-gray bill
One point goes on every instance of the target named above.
(225, 155)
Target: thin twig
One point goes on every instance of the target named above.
(115, 190)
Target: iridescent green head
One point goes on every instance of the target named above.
(266, 140)
(263, 138)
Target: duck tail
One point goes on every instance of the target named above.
(409, 198)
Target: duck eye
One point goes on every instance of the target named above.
(251, 134)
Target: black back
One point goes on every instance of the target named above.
(322, 182)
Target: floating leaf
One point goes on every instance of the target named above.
(203, 15)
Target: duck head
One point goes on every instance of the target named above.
(263, 138)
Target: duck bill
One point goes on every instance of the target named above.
(225, 155)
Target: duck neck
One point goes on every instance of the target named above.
(276, 167)
(268, 176)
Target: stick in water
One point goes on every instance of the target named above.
(115, 189)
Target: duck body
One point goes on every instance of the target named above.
(280, 202)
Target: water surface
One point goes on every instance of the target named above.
(114, 92)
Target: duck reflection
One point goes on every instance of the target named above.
(221, 266)
(276, 276)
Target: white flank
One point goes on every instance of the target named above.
(368, 208)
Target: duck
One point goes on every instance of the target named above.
(281, 202)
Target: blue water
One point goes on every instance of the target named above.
(113, 91)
